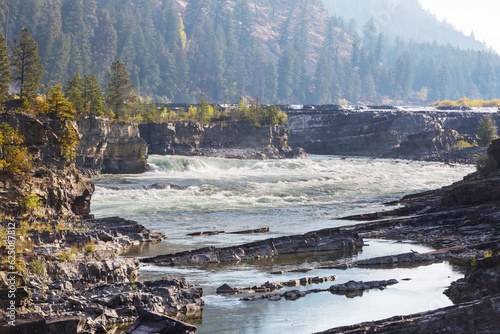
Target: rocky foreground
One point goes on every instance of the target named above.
(68, 276)
(60, 269)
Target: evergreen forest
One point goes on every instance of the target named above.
(281, 51)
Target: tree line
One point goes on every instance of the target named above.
(83, 95)
(213, 48)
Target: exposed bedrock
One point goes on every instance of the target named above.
(379, 132)
(349, 289)
(483, 281)
(150, 323)
(324, 240)
(218, 140)
(61, 188)
(110, 147)
(480, 316)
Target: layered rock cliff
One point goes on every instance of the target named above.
(61, 189)
(110, 147)
(220, 140)
(379, 132)
(66, 268)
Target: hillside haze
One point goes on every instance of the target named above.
(406, 19)
(283, 51)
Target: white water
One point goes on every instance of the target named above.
(181, 195)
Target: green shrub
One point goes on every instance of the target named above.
(14, 159)
(89, 247)
(37, 268)
(486, 131)
(461, 145)
(486, 165)
(31, 202)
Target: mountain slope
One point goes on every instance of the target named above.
(406, 19)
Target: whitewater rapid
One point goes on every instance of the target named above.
(182, 195)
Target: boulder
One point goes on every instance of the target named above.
(225, 289)
(153, 323)
(494, 150)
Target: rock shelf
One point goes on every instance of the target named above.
(324, 240)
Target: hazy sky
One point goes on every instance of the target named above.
(480, 16)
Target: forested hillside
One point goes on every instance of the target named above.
(286, 51)
(403, 18)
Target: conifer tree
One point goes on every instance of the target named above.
(486, 131)
(59, 105)
(119, 91)
(4, 69)
(93, 102)
(73, 92)
(25, 62)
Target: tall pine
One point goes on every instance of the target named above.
(119, 91)
(4, 69)
(27, 70)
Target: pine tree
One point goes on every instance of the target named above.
(59, 105)
(4, 69)
(27, 70)
(370, 35)
(243, 15)
(119, 91)
(93, 102)
(73, 92)
(380, 48)
(486, 131)
(404, 76)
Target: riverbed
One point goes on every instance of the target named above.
(183, 195)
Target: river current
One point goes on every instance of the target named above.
(182, 195)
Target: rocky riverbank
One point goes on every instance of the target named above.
(62, 271)
(404, 133)
(463, 222)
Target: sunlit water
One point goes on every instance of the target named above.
(182, 195)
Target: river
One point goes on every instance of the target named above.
(182, 195)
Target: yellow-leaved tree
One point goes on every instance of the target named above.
(14, 157)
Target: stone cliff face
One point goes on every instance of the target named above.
(192, 138)
(62, 189)
(110, 147)
(378, 132)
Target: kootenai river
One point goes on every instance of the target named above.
(182, 195)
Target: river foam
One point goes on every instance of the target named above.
(181, 195)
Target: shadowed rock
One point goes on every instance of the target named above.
(481, 316)
(324, 240)
(153, 323)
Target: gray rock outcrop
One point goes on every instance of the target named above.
(218, 140)
(110, 147)
(61, 188)
(154, 323)
(318, 241)
(378, 131)
(481, 316)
